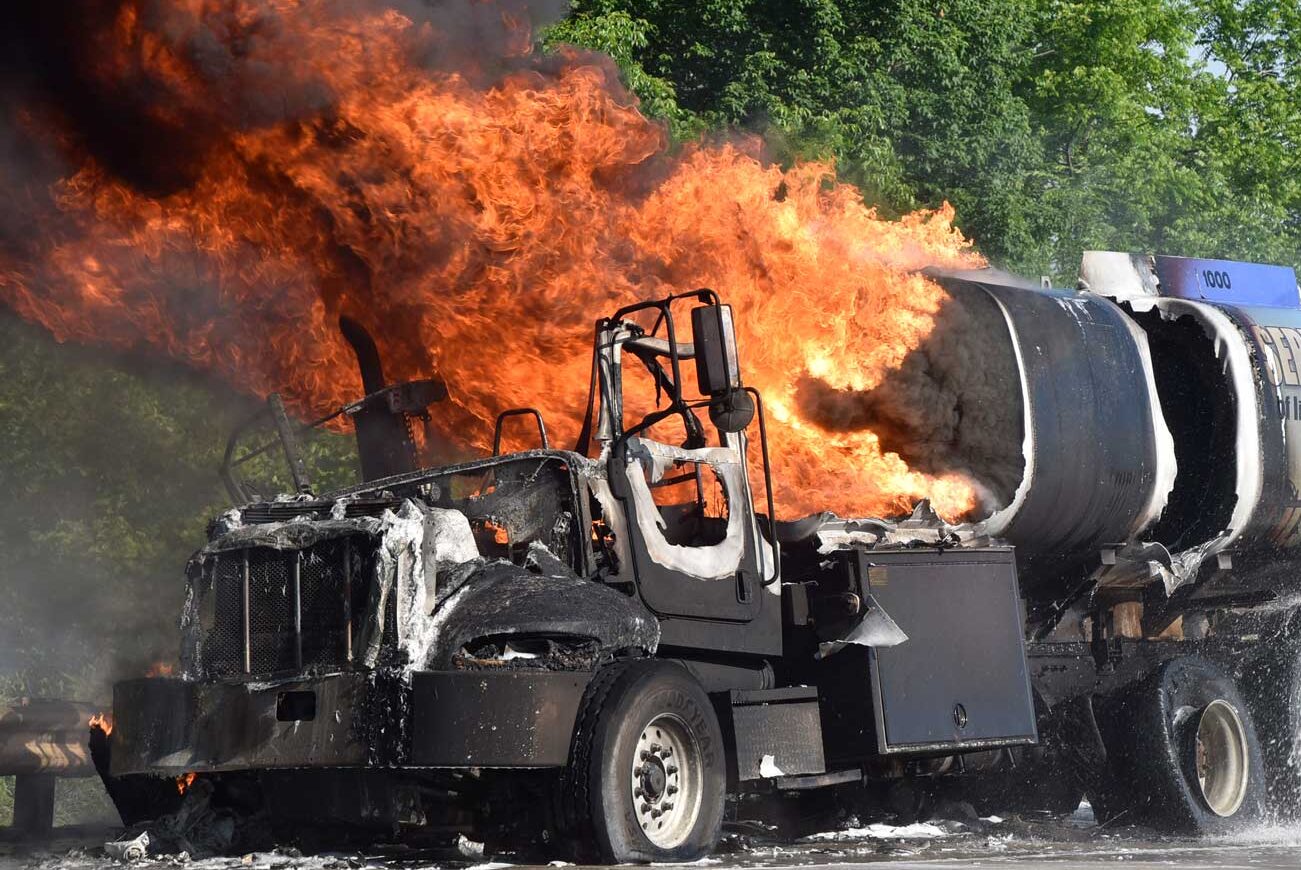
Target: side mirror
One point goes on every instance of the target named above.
(718, 369)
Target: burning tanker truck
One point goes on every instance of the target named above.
(594, 648)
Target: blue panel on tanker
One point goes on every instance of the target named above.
(1091, 418)
(1227, 281)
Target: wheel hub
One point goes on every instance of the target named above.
(1221, 758)
(654, 778)
(666, 778)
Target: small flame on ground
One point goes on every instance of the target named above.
(102, 722)
(161, 669)
(184, 781)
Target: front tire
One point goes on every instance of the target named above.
(647, 776)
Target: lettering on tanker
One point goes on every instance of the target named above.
(1271, 356)
(1281, 348)
(1293, 338)
(1286, 347)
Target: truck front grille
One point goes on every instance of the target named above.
(275, 611)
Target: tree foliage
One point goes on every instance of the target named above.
(110, 469)
(109, 472)
(1053, 126)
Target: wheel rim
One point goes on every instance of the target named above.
(666, 781)
(1221, 758)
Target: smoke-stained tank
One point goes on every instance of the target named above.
(1162, 424)
(1098, 459)
(1157, 412)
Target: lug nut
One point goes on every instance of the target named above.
(637, 792)
(656, 813)
(644, 755)
(636, 771)
(672, 768)
(673, 789)
(668, 750)
(667, 806)
(655, 747)
(645, 808)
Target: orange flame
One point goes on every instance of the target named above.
(184, 781)
(477, 228)
(161, 669)
(103, 722)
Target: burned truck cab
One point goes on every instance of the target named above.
(298, 611)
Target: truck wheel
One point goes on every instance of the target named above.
(647, 774)
(1184, 753)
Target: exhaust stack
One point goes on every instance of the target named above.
(384, 442)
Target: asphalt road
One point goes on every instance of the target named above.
(1022, 843)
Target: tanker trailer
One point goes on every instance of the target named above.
(1153, 514)
(1226, 345)
(1155, 424)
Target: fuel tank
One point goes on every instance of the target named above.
(1097, 458)
(1157, 409)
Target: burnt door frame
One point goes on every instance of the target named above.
(669, 592)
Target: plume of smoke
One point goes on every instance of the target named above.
(954, 405)
(240, 69)
(70, 87)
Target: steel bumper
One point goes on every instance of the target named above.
(171, 726)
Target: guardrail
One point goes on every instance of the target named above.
(41, 741)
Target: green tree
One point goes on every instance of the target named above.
(1053, 126)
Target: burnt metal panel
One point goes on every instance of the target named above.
(761, 636)
(153, 718)
(503, 718)
(781, 723)
(1271, 334)
(1091, 418)
(501, 599)
(164, 725)
(673, 593)
(961, 679)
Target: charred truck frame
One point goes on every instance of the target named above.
(598, 651)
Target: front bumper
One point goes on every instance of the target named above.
(458, 719)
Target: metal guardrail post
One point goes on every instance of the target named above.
(34, 803)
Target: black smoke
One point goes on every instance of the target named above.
(953, 406)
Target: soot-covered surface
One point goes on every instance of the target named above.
(1012, 841)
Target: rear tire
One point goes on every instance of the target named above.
(1183, 753)
(647, 776)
